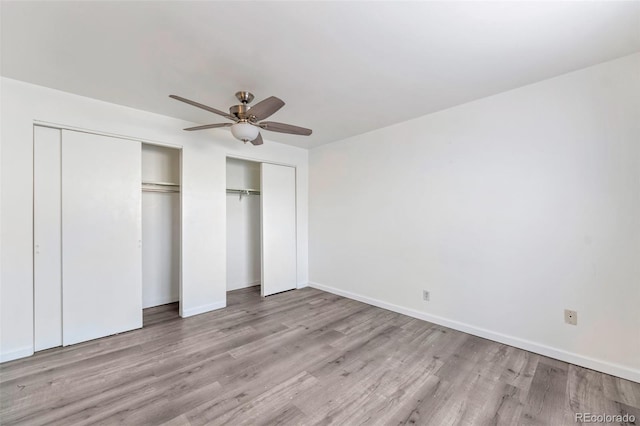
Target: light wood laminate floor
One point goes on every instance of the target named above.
(301, 357)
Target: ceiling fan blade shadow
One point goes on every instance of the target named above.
(285, 128)
(257, 140)
(202, 106)
(265, 108)
(209, 126)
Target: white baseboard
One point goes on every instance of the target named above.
(203, 308)
(551, 352)
(303, 285)
(232, 287)
(16, 354)
(161, 301)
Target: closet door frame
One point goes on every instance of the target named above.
(295, 168)
(61, 127)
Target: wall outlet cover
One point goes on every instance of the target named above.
(425, 295)
(570, 317)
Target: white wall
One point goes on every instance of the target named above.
(160, 228)
(160, 164)
(243, 225)
(508, 210)
(203, 196)
(242, 174)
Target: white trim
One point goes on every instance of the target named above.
(303, 285)
(42, 123)
(16, 354)
(560, 354)
(234, 287)
(203, 308)
(235, 156)
(159, 301)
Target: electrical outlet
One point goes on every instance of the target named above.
(425, 295)
(571, 317)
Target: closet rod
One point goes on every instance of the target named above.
(243, 191)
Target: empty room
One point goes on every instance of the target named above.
(305, 213)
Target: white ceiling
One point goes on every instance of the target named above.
(343, 68)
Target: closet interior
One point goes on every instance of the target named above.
(160, 228)
(243, 224)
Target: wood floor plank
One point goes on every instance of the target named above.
(297, 358)
(288, 415)
(519, 368)
(621, 390)
(501, 406)
(273, 400)
(180, 420)
(547, 397)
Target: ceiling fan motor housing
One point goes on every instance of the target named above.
(240, 111)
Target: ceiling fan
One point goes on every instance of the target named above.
(247, 120)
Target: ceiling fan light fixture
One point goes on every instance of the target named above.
(244, 131)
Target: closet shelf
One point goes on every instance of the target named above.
(160, 187)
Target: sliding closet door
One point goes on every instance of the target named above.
(47, 256)
(101, 232)
(278, 197)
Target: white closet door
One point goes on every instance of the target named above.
(101, 232)
(47, 259)
(278, 197)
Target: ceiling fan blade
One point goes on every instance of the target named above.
(285, 128)
(209, 126)
(258, 140)
(206, 108)
(265, 108)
